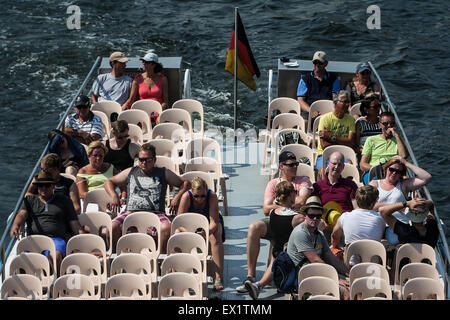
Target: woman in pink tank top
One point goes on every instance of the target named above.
(151, 84)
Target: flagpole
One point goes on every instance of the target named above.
(235, 69)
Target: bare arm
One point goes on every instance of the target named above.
(132, 97)
(75, 197)
(402, 151)
(336, 235)
(312, 256)
(19, 221)
(165, 93)
(110, 185)
(304, 106)
(94, 98)
(76, 227)
(184, 204)
(422, 177)
(365, 160)
(176, 181)
(269, 205)
(388, 209)
(341, 268)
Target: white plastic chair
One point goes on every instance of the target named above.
(318, 285)
(174, 132)
(179, 284)
(142, 221)
(97, 222)
(127, 285)
(139, 118)
(99, 197)
(22, 286)
(188, 242)
(322, 106)
(318, 269)
(203, 147)
(108, 107)
(366, 287)
(74, 286)
(179, 116)
(106, 125)
(148, 105)
(423, 289)
(366, 249)
(192, 106)
(368, 269)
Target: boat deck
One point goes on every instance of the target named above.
(245, 191)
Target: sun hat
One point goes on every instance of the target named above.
(312, 202)
(333, 211)
(419, 214)
(150, 57)
(118, 56)
(320, 55)
(44, 178)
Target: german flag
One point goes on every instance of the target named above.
(246, 64)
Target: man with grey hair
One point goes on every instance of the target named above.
(337, 127)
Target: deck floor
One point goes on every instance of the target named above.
(245, 191)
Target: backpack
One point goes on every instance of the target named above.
(284, 273)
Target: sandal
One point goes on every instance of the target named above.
(218, 284)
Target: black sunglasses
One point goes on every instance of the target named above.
(145, 159)
(293, 164)
(393, 170)
(122, 137)
(314, 216)
(392, 123)
(377, 106)
(318, 62)
(82, 106)
(199, 196)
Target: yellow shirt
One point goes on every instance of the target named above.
(97, 181)
(338, 127)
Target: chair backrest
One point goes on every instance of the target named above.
(110, 108)
(183, 262)
(288, 121)
(87, 264)
(89, 243)
(188, 242)
(366, 287)
(204, 175)
(139, 118)
(276, 147)
(282, 105)
(174, 132)
(99, 197)
(126, 284)
(206, 164)
(141, 243)
(98, 222)
(192, 106)
(203, 147)
(355, 110)
(368, 269)
(300, 151)
(74, 285)
(135, 263)
(135, 133)
(412, 252)
(418, 269)
(106, 125)
(180, 284)
(35, 264)
(180, 116)
(167, 162)
(346, 151)
(191, 221)
(317, 285)
(366, 249)
(164, 147)
(351, 170)
(322, 297)
(423, 289)
(141, 221)
(38, 243)
(307, 171)
(318, 269)
(69, 176)
(314, 133)
(22, 285)
(148, 105)
(321, 106)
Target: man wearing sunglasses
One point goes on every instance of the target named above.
(318, 84)
(84, 125)
(260, 229)
(380, 148)
(146, 191)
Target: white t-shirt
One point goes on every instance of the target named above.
(108, 87)
(362, 224)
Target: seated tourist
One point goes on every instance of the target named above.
(361, 223)
(202, 200)
(94, 175)
(71, 152)
(361, 86)
(84, 125)
(282, 221)
(121, 151)
(423, 228)
(47, 214)
(367, 124)
(51, 163)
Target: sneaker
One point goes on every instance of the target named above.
(253, 289)
(242, 288)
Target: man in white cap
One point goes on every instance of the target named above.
(318, 84)
(115, 86)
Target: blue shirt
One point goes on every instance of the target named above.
(302, 89)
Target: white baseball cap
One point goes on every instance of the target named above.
(150, 57)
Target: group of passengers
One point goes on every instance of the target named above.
(380, 209)
(53, 199)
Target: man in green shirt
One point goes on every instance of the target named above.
(380, 148)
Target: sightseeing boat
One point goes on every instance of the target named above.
(245, 165)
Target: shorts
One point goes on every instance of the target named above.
(60, 245)
(268, 235)
(152, 230)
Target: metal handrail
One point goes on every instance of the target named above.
(443, 251)
(7, 246)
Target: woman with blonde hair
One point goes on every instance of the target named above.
(200, 199)
(93, 175)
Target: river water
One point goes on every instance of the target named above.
(44, 63)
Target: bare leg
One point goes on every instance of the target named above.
(256, 231)
(116, 233)
(217, 251)
(165, 235)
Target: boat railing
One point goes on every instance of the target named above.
(187, 84)
(442, 247)
(6, 242)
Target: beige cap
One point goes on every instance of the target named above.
(320, 55)
(312, 202)
(118, 56)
